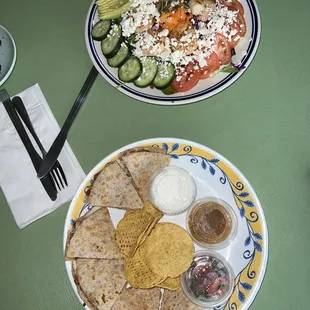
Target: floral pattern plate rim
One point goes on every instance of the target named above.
(245, 52)
(214, 176)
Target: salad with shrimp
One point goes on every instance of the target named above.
(169, 44)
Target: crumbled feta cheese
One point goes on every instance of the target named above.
(164, 33)
(142, 13)
(195, 45)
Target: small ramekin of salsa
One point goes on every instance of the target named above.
(212, 223)
(209, 281)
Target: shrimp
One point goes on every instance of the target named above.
(202, 8)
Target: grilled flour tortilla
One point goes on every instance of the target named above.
(99, 281)
(151, 149)
(114, 188)
(176, 300)
(93, 236)
(142, 165)
(137, 299)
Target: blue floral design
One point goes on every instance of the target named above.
(243, 203)
(85, 206)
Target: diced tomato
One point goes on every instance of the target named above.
(236, 37)
(186, 80)
(214, 287)
(234, 5)
(213, 64)
(201, 271)
(242, 24)
(222, 49)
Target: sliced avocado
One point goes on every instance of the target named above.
(114, 11)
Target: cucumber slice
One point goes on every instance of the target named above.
(168, 90)
(132, 39)
(149, 70)
(120, 58)
(112, 43)
(100, 30)
(117, 20)
(130, 70)
(164, 76)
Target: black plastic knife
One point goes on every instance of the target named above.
(47, 181)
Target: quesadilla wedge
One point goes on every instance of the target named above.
(142, 166)
(114, 188)
(93, 236)
(137, 299)
(176, 300)
(99, 281)
(151, 149)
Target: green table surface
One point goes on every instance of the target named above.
(261, 123)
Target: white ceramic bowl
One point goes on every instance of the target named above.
(245, 52)
(7, 54)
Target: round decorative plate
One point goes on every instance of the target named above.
(214, 176)
(7, 54)
(245, 52)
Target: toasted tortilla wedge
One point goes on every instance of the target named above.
(137, 299)
(176, 300)
(99, 281)
(93, 236)
(151, 149)
(142, 166)
(114, 188)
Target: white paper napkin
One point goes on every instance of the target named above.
(23, 190)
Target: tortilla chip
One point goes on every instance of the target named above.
(99, 281)
(143, 236)
(114, 188)
(148, 207)
(138, 273)
(137, 299)
(156, 214)
(176, 300)
(130, 228)
(93, 236)
(169, 250)
(142, 166)
(172, 284)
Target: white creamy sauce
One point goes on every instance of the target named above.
(172, 190)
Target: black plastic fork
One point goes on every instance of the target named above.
(57, 172)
